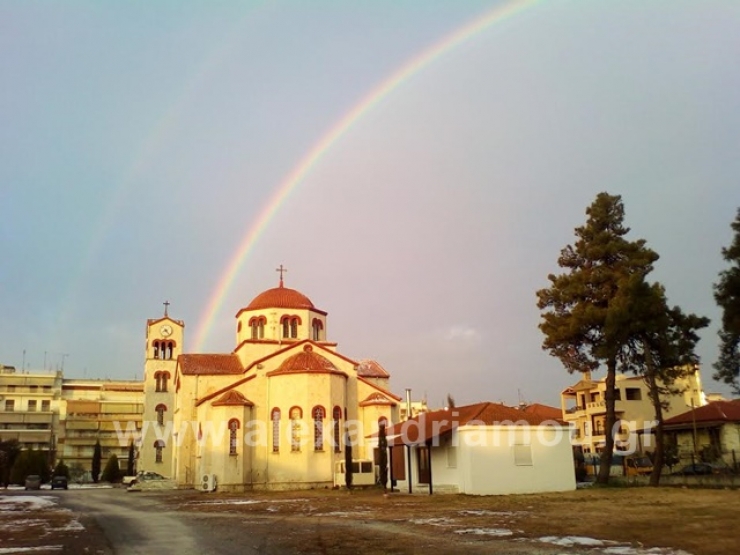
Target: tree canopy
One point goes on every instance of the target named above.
(727, 295)
(584, 306)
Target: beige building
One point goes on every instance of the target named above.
(272, 413)
(29, 408)
(99, 410)
(584, 409)
(66, 417)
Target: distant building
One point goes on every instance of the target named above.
(29, 408)
(583, 407)
(65, 417)
(710, 433)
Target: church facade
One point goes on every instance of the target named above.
(275, 413)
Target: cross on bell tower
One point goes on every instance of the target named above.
(166, 306)
(281, 270)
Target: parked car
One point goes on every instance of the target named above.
(33, 481)
(702, 469)
(150, 480)
(59, 482)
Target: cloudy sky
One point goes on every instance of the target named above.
(141, 142)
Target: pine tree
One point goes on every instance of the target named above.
(130, 462)
(347, 460)
(96, 462)
(727, 295)
(578, 308)
(383, 456)
(661, 348)
(112, 472)
(61, 469)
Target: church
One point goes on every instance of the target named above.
(275, 413)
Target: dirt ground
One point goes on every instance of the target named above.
(697, 521)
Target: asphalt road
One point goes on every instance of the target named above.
(132, 523)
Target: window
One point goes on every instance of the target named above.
(275, 417)
(11, 388)
(233, 427)
(523, 455)
(316, 329)
(160, 410)
(9, 405)
(161, 381)
(318, 414)
(295, 428)
(257, 325)
(336, 416)
(290, 326)
(33, 388)
(633, 394)
(158, 446)
(45, 406)
(32, 406)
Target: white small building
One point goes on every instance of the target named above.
(481, 449)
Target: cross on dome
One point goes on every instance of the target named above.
(281, 270)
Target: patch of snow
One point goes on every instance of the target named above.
(441, 521)
(627, 550)
(72, 526)
(21, 523)
(228, 502)
(499, 532)
(25, 502)
(484, 512)
(4, 550)
(344, 513)
(570, 541)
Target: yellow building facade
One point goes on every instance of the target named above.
(584, 409)
(272, 414)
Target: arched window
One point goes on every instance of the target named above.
(158, 446)
(294, 328)
(286, 328)
(336, 416)
(316, 328)
(275, 417)
(319, 414)
(155, 346)
(170, 346)
(255, 329)
(161, 381)
(261, 327)
(296, 414)
(160, 410)
(233, 427)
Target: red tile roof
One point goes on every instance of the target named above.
(306, 361)
(371, 369)
(717, 412)
(280, 297)
(545, 411)
(203, 365)
(432, 424)
(232, 399)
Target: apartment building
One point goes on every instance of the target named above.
(29, 408)
(66, 417)
(584, 409)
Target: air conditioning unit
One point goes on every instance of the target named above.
(208, 482)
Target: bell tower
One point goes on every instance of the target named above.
(164, 342)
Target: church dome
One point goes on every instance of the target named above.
(280, 297)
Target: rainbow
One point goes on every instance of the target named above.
(312, 157)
